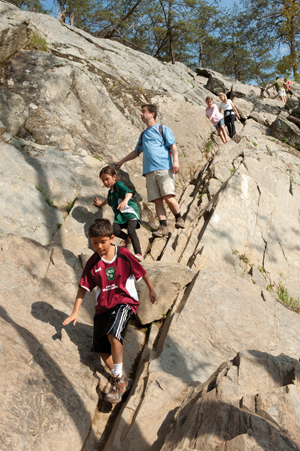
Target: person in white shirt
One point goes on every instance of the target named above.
(229, 111)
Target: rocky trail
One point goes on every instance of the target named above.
(215, 362)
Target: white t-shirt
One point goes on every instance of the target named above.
(226, 106)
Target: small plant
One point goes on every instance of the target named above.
(59, 226)
(254, 144)
(270, 287)
(207, 148)
(98, 158)
(261, 269)
(164, 315)
(70, 205)
(289, 301)
(200, 195)
(47, 198)
(184, 154)
(285, 140)
(37, 42)
(233, 170)
(244, 258)
(235, 252)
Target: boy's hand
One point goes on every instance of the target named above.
(122, 205)
(118, 164)
(152, 296)
(72, 317)
(97, 202)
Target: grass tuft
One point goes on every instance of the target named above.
(37, 42)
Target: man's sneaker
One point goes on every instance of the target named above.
(139, 257)
(179, 224)
(126, 243)
(161, 232)
(118, 388)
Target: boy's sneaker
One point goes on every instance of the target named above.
(139, 257)
(118, 388)
(126, 243)
(179, 224)
(161, 232)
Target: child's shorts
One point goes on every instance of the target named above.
(159, 183)
(113, 322)
(219, 124)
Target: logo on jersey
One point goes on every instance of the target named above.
(111, 273)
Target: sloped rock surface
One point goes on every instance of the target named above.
(64, 115)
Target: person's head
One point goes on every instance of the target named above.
(209, 101)
(223, 97)
(108, 176)
(101, 235)
(148, 113)
(285, 79)
(277, 78)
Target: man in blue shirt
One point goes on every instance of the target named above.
(157, 143)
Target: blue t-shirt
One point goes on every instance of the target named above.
(155, 148)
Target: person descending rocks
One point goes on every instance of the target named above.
(125, 209)
(229, 110)
(157, 143)
(216, 118)
(278, 84)
(111, 269)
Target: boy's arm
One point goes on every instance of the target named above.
(131, 156)
(98, 203)
(151, 291)
(175, 166)
(124, 203)
(74, 316)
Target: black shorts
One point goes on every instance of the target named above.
(113, 322)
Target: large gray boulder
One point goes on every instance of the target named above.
(266, 111)
(286, 131)
(241, 406)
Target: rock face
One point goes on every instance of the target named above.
(218, 368)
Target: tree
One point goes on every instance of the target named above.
(29, 5)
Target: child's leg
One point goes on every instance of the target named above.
(131, 226)
(117, 354)
(222, 134)
(107, 359)
(118, 232)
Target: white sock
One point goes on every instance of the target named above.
(117, 371)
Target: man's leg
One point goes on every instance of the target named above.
(172, 204)
(160, 209)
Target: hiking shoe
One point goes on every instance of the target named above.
(126, 243)
(118, 388)
(139, 257)
(179, 224)
(161, 232)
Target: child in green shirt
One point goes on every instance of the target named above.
(125, 209)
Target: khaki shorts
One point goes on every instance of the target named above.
(159, 184)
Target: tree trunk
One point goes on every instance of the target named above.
(200, 54)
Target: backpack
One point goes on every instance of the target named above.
(160, 129)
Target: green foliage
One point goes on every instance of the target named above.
(289, 301)
(47, 198)
(70, 205)
(207, 148)
(254, 144)
(98, 158)
(37, 42)
(261, 269)
(233, 170)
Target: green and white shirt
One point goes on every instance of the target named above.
(116, 195)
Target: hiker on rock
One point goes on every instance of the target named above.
(278, 84)
(229, 110)
(157, 143)
(111, 270)
(216, 118)
(287, 87)
(125, 209)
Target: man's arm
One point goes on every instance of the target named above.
(131, 156)
(175, 166)
(74, 316)
(151, 291)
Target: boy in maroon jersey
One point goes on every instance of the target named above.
(111, 270)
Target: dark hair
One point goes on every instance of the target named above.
(277, 78)
(100, 227)
(151, 109)
(208, 98)
(108, 170)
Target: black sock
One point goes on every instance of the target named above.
(178, 216)
(163, 222)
